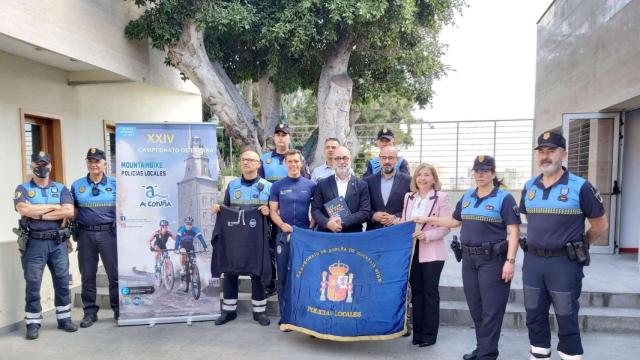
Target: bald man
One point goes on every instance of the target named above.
(386, 190)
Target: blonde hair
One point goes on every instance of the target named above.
(436, 180)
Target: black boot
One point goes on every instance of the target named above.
(225, 317)
(88, 320)
(32, 331)
(261, 318)
(471, 356)
(67, 325)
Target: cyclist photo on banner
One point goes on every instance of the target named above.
(186, 247)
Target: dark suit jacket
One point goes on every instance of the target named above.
(401, 185)
(357, 199)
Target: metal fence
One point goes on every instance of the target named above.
(452, 147)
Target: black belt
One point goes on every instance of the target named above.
(472, 250)
(546, 252)
(102, 227)
(43, 235)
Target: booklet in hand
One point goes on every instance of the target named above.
(337, 208)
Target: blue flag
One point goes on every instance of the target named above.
(349, 287)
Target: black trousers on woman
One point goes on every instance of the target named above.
(425, 298)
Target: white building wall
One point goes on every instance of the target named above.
(629, 231)
(31, 86)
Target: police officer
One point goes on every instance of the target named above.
(273, 167)
(487, 214)
(385, 138)
(556, 204)
(289, 206)
(95, 200)
(249, 191)
(44, 205)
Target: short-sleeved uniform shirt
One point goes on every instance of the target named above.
(53, 193)
(293, 197)
(273, 167)
(556, 214)
(485, 220)
(247, 194)
(95, 207)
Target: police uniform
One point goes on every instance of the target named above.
(294, 198)
(374, 165)
(556, 217)
(96, 219)
(273, 167)
(483, 236)
(245, 194)
(45, 247)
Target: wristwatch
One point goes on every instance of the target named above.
(511, 261)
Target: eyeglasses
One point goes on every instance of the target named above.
(341, 158)
(95, 191)
(248, 160)
(387, 158)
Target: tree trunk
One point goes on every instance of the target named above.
(250, 94)
(269, 104)
(218, 91)
(352, 141)
(334, 99)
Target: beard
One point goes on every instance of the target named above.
(549, 167)
(387, 169)
(343, 171)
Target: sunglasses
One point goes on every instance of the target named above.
(95, 191)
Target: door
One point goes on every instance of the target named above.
(593, 146)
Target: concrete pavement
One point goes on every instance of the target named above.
(245, 339)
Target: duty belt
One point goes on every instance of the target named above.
(472, 250)
(546, 252)
(102, 227)
(44, 235)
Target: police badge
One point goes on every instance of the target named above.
(531, 194)
(31, 193)
(82, 189)
(238, 194)
(269, 161)
(546, 135)
(563, 194)
(466, 204)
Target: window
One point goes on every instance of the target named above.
(110, 147)
(41, 132)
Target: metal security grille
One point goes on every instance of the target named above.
(578, 152)
(452, 147)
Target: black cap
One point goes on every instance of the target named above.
(552, 140)
(41, 156)
(95, 153)
(385, 133)
(484, 162)
(282, 128)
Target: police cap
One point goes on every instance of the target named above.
(282, 128)
(385, 133)
(41, 156)
(551, 139)
(95, 153)
(484, 162)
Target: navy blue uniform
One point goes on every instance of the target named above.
(294, 198)
(556, 216)
(245, 194)
(96, 217)
(484, 224)
(45, 250)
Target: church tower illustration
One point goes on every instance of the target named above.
(197, 191)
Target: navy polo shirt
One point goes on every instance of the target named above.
(95, 209)
(53, 193)
(556, 214)
(485, 220)
(293, 197)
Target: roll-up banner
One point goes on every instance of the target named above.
(167, 181)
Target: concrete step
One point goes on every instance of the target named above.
(587, 298)
(602, 319)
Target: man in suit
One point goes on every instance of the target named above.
(386, 190)
(343, 184)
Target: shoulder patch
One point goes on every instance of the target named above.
(597, 194)
(18, 195)
(516, 210)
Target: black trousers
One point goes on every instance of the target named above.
(425, 298)
(92, 244)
